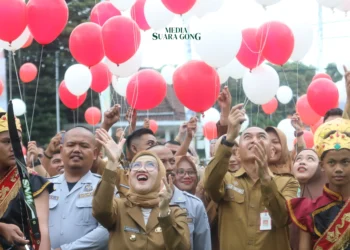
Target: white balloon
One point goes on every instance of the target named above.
(267, 2)
(120, 84)
(303, 38)
(344, 6)
(123, 4)
(78, 79)
(261, 85)
(287, 128)
(19, 107)
(127, 68)
(203, 7)
(245, 124)
(236, 69)
(211, 115)
(329, 3)
(224, 74)
(284, 94)
(157, 15)
(220, 40)
(168, 72)
(342, 91)
(18, 42)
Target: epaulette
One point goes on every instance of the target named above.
(52, 177)
(191, 196)
(97, 175)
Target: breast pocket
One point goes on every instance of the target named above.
(53, 206)
(84, 212)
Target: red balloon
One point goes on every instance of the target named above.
(93, 116)
(28, 42)
(121, 38)
(28, 72)
(308, 138)
(210, 131)
(153, 126)
(316, 125)
(101, 77)
(13, 19)
(69, 100)
(270, 107)
(47, 19)
(276, 41)
(306, 113)
(1, 87)
(322, 95)
(102, 12)
(85, 44)
(320, 76)
(138, 14)
(146, 90)
(179, 6)
(196, 85)
(248, 55)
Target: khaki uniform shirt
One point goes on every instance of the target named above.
(126, 224)
(241, 201)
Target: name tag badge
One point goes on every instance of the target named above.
(53, 197)
(234, 188)
(84, 195)
(265, 221)
(130, 229)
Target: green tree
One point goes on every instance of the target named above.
(333, 72)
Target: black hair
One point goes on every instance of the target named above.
(333, 112)
(156, 145)
(136, 135)
(172, 142)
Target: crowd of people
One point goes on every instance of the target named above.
(136, 192)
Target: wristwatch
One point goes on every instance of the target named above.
(226, 143)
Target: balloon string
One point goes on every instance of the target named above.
(36, 90)
(20, 92)
(297, 79)
(257, 116)
(285, 77)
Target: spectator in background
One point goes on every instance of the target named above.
(332, 114)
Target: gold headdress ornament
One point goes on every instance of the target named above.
(333, 135)
(4, 123)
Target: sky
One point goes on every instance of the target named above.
(248, 13)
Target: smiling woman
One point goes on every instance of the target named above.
(186, 178)
(144, 220)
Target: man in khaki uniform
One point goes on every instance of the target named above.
(252, 202)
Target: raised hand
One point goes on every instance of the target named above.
(165, 195)
(297, 123)
(192, 127)
(224, 101)
(111, 116)
(347, 82)
(54, 144)
(146, 123)
(32, 153)
(112, 149)
(235, 119)
(131, 115)
(261, 162)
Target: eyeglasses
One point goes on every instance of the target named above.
(149, 166)
(181, 172)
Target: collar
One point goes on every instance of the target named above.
(87, 178)
(331, 194)
(178, 196)
(242, 171)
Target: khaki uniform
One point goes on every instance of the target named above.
(126, 224)
(241, 201)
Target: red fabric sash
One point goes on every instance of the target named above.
(338, 233)
(9, 187)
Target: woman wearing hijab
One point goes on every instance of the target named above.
(307, 171)
(144, 219)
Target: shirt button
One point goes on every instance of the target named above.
(61, 232)
(252, 205)
(63, 217)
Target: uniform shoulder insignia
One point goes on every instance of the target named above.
(192, 196)
(97, 175)
(53, 177)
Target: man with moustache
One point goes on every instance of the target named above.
(71, 223)
(252, 210)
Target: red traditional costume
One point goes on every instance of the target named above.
(326, 218)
